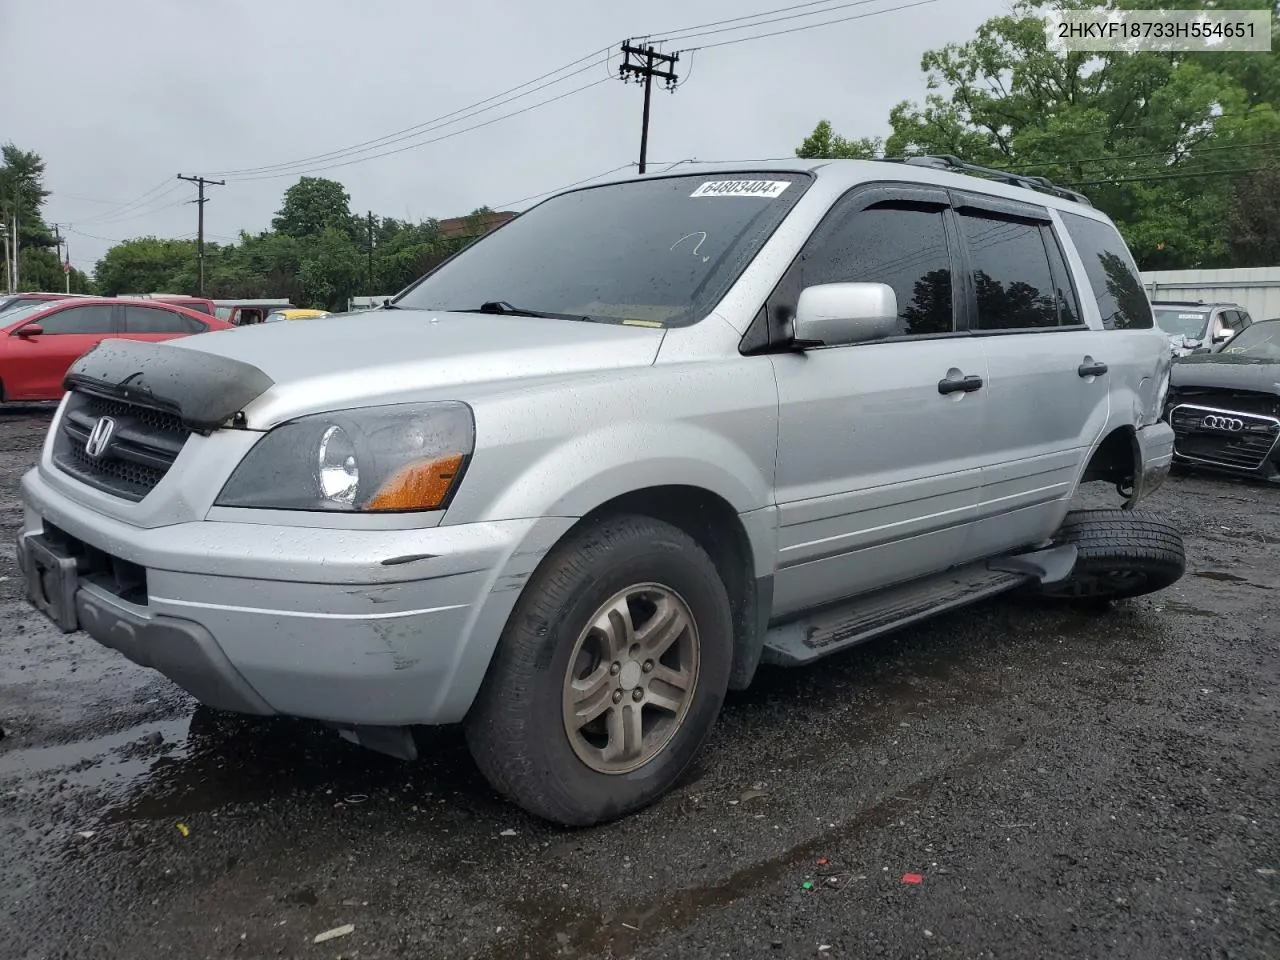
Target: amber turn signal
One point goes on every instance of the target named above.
(419, 486)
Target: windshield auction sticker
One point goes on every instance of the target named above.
(741, 188)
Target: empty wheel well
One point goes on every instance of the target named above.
(1114, 460)
(713, 523)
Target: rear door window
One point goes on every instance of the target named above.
(1113, 276)
(1012, 277)
(157, 320)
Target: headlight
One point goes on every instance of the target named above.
(401, 457)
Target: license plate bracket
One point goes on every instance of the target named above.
(52, 580)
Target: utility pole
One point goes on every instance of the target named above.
(15, 247)
(201, 201)
(66, 266)
(370, 225)
(643, 68)
(57, 239)
(4, 235)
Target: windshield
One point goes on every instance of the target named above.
(1188, 323)
(22, 310)
(656, 252)
(1260, 340)
(9, 304)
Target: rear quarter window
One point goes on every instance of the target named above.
(1117, 285)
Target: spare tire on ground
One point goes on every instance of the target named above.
(1120, 554)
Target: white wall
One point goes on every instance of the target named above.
(1257, 289)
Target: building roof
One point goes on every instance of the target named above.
(474, 226)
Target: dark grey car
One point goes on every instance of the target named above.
(1194, 325)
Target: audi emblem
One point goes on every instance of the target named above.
(100, 437)
(1215, 422)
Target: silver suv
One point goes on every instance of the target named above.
(583, 478)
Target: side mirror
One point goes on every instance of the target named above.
(1221, 337)
(30, 330)
(831, 314)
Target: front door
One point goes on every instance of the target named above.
(878, 468)
(67, 334)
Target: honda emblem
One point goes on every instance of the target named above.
(100, 437)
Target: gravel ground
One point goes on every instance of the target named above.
(1065, 783)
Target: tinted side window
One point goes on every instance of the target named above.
(1069, 314)
(155, 320)
(1112, 274)
(904, 246)
(197, 307)
(1011, 274)
(90, 319)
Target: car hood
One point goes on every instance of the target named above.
(1230, 371)
(274, 372)
(445, 347)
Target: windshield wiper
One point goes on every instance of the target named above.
(511, 310)
(501, 306)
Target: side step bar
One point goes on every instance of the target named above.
(855, 621)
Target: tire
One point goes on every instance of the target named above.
(522, 730)
(1120, 554)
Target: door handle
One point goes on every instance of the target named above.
(965, 385)
(1091, 368)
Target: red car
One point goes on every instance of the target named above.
(39, 342)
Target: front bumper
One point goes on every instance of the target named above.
(1155, 458)
(377, 627)
(1216, 436)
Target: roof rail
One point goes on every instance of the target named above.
(946, 161)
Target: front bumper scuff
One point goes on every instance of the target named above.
(307, 621)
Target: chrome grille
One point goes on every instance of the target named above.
(142, 446)
(1217, 442)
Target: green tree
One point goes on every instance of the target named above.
(22, 192)
(315, 204)
(1154, 139)
(146, 265)
(824, 143)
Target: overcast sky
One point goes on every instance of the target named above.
(120, 96)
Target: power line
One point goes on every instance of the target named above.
(154, 195)
(663, 37)
(423, 143)
(427, 126)
(136, 215)
(1182, 175)
(808, 26)
(761, 23)
(567, 186)
(1139, 156)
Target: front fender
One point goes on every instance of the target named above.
(582, 472)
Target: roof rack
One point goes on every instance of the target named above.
(946, 161)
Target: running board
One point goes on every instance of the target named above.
(839, 627)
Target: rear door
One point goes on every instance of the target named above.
(1047, 397)
(146, 322)
(69, 333)
(878, 464)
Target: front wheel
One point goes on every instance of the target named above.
(609, 675)
(1120, 554)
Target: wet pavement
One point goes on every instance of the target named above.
(1064, 783)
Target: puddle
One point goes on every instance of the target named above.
(86, 762)
(1173, 606)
